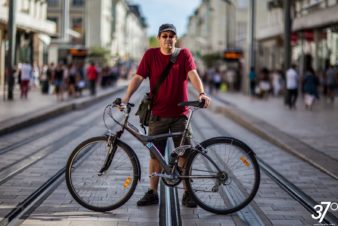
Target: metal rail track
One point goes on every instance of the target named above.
(48, 130)
(252, 215)
(170, 213)
(27, 206)
(9, 171)
(296, 193)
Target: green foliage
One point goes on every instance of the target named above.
(100, 55)
(153, 43)
(211, 59)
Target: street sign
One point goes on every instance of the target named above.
(78, 52)
(232, 55)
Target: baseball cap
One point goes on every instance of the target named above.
(167, 27)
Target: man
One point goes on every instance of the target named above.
(291, 87)
(331, 82)
(166, 115)
(92, 75)
(26, 76)
(252, 78)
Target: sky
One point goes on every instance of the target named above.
(158, 12)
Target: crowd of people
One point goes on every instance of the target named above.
(68, 79)
(311, 85)
(264, 83)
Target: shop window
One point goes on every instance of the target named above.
(53, 3)
(77, 25)
(77, 3)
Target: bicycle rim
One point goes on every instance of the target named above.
(108, 191)
(237, 161)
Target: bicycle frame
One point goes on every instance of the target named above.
(147, 141)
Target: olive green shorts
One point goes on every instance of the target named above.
(160, 125)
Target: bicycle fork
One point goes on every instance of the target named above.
(111, 152)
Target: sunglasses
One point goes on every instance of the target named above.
(167, 36)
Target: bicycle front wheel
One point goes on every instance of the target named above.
(107, 191)
(223, 175)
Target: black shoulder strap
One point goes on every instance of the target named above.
(165, 73)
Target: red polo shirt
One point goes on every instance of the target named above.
(175, 88)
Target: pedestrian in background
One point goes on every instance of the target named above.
(92, 75)
(44, 79)
(310, 87)
(292, 79)
(26, 75)
(50, 77)
(264, 83)
(331, 82)
(217, 81)
(276, 82)
(252, 79)
(58, 81)
(71, 80)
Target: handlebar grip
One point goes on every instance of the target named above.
(201, 104)
(117, 101)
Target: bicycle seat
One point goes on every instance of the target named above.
(198, 104)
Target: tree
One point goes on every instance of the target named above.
(153, 43)
(100, 55)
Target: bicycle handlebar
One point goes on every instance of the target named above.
(198, 104)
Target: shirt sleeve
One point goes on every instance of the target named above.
(190, 62)
(144, 66)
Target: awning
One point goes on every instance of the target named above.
(317, 19)
(25, 21)
(73, 33)
(45, 39)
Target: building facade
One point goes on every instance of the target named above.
(209, 28)
(314, 33)
(110, 25)
(32, 36)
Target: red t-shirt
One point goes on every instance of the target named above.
(92, 72)
(174, 89)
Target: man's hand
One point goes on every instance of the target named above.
(206, 99)
(120, 104)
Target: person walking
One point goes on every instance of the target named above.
(331, 82)
(252, 79)
(26, 74)
(92, 75)
(291, 87)
(59, 81)
(310, 87)
(166, 114)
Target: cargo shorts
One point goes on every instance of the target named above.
(160, 125)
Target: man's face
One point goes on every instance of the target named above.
(167, 40)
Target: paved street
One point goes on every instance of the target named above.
(57, 137)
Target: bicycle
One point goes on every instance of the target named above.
(221, 173)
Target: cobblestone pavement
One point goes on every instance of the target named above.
(60, 208)
(318, 128)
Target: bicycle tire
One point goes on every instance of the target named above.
(237, 190)
(101, 193)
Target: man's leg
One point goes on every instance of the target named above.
(154, 167)
(156, 126)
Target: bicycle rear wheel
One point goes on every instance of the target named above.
(107, 191)
(224, 175)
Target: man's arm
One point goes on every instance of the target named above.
(198, 85)
(132, 87)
